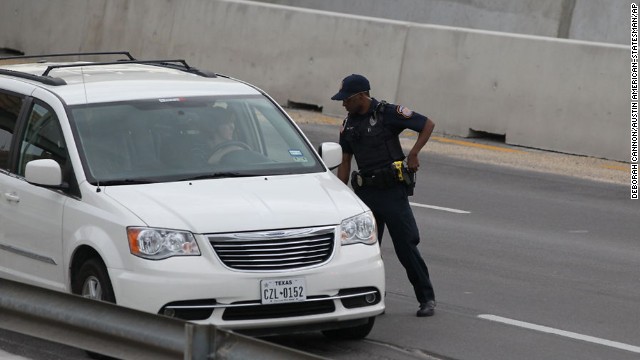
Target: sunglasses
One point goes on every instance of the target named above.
(352, 96)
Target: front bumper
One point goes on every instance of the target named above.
(200, 289)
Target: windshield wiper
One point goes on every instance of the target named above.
(125, 182)
(218, 175)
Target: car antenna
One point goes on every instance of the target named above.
(84, 85)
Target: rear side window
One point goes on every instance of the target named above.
(9, 109)
(43, 139)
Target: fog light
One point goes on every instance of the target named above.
(370, 298)
(169, 312)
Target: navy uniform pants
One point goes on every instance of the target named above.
(391, 208)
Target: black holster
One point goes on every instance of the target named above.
(409, 180)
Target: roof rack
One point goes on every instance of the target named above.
(48, 80)
(44, 78)
(126, 53)
(177, 64)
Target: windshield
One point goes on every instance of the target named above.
(188, 138)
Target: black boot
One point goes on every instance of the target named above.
(427, 309)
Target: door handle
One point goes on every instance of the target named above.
(12, 197)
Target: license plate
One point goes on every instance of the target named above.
(283, 291)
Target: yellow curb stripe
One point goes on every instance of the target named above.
(476, 145)
(616, 167)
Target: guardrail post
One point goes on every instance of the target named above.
(200, 342)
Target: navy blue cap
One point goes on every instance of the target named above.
(352, 85)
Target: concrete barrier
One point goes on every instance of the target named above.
(559, 95)
(588, 20)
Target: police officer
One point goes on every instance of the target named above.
(383, 181)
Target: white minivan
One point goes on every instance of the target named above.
(167, 189)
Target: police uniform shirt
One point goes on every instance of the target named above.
(357, 128)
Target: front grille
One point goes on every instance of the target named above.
(272, 311)
(274, 250)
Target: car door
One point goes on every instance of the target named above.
(10, 107)
(32, 215)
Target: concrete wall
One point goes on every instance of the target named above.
(564, 95)
(601, 20)
(545, 93)
(589, 20)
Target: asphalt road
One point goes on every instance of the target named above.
(538, 266)
(526, 265)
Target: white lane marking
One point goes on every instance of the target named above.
(545, 329)
(440, 208)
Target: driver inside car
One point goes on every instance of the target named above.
(222, 127)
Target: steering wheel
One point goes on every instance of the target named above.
(222, 149)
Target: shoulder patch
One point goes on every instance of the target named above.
(404, 111)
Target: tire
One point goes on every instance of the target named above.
(351, 333)
(92, 281)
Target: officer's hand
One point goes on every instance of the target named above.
(412, 162)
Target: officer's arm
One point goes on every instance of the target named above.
(345, 168)
(412, 158)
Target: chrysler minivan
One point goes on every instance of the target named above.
(180, 192)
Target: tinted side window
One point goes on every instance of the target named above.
(42, 139)
(9, 109)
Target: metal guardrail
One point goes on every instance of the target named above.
(124, 333)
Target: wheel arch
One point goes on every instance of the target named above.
(81, 255)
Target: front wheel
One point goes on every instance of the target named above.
(92, 281)
(351, 333)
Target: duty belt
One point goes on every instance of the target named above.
(379, 180)
(384, 177)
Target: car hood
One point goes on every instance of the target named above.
(240, 204)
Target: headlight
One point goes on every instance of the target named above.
(156, 244)
(359, 229)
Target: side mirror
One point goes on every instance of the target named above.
(45, 172)
(331, 154)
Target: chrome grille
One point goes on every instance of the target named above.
(274, 250)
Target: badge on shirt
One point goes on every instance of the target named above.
(404, 111)
(372, 121)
